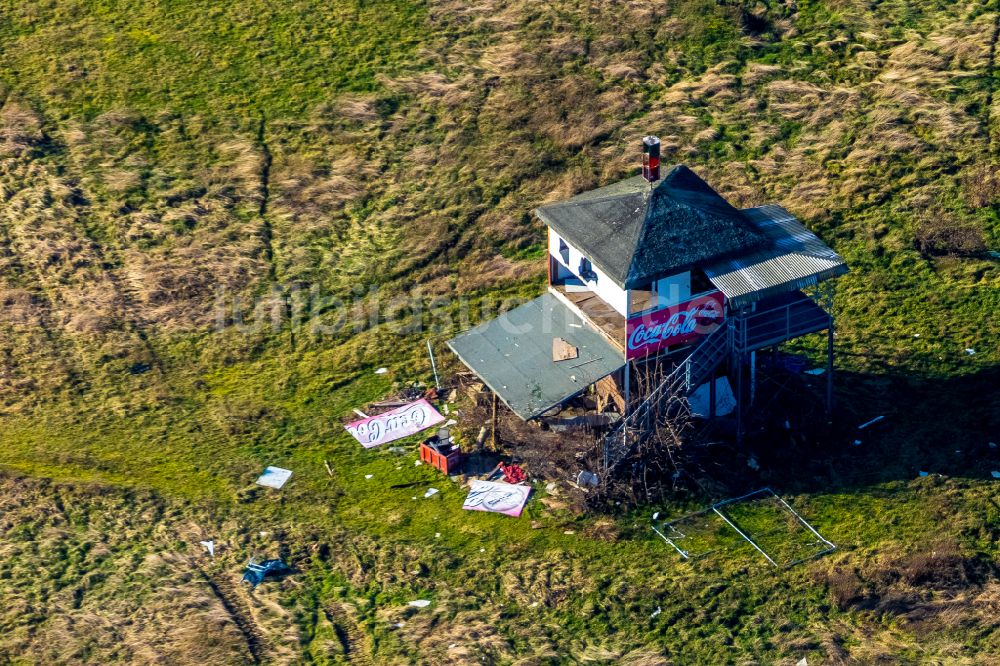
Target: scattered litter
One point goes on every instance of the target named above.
(437, 535)
(403, 421)
(996, 474)
(656, 612)
(569, 532)
(549, 487)
(788, 425)
(513, 473)
(916, 335)
(816, 371)
(381, 371)
(696, 534)
(970, 351)
(329, 470)
(397, 449)
(417, 463)
(420, 603)
(993, 445)
(534, 604)
(874, 420)
(656, 515)
(564, 424)
(257, 571)
(414, 497)
(450, 422)
(431, 492)
(802, 662)
(923, 473)
(399, 625)
(209, 546)
(497, 498)
(368, 476)
(753, 464)
(482, 550)
(274, 477)
(441, 452)
(360, 413)
(725, 401)
(587, 479)
(446, 410)
(857, 442)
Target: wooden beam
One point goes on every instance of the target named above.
(493, 422)
(829, 369)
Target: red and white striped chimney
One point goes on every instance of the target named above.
(651, 158)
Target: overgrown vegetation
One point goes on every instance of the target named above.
(210, 209)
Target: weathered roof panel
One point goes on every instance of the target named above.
(635, 231)
(796, 258)
(512, 354)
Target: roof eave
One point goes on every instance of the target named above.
(619, 280)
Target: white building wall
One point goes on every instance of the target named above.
(603, 286)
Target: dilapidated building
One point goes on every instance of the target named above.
(654, 269)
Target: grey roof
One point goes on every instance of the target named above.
(635, 231)
(512, 354)
(795, 258)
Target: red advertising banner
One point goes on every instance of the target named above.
(653, 331)
(400, 422)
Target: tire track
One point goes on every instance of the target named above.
(267, 233)
(240, 614)
(352, 639)
(991, 74)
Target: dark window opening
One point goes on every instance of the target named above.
(700, 283)
(564, 251)
(586, 270)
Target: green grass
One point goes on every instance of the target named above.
(229, 61)
(157, 158)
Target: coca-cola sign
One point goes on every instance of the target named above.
(677, 324)
(392, 425)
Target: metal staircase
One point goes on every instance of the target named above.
(785, 317)
(667, 400)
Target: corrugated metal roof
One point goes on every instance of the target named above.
(796, 259)
(512, 354)
(634, 231)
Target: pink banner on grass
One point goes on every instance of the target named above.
(395, 424)
(497, 498)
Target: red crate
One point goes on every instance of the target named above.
(446, 462)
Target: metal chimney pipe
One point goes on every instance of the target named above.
(651, 158)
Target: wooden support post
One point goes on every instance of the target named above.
(711, 397)
(739, 399)
(493, 426)
(829, 369)
(628, 389)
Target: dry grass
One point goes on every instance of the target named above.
(127, 208)
(106, 582)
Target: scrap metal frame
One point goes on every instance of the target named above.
(715, 508)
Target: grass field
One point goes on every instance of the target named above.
(218, 219)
